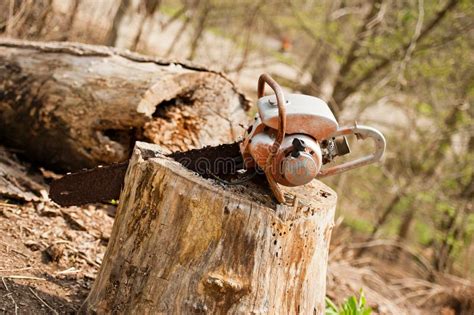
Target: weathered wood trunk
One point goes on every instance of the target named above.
(71, 105)
(182, 244)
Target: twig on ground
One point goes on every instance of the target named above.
(5, 285)
(10, 295)
(68, 271)
(88, 259)
(18, 269)
(19, 253)
(8, 205)
(23, 278)
(42, 301)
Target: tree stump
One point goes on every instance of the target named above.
(70, 106)
(184, 244)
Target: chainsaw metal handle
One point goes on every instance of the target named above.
(280, 98)
(361, 132)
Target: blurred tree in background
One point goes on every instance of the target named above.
(407, 66)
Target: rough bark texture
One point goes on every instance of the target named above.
(71, 105)
(182, 244)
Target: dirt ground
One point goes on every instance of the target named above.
(49, 256)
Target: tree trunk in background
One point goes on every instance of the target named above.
(323, 71)
(72, 19)
(382, 219)
(404, 229)
(42, 19)
(180, 33)
(405, 225)
(201, 25)
(183, 245)
(250, 31)
(341, 92)
(70, 106)
(150, 7)
(117, 20)
(441, 259)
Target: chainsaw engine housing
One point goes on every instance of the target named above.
(299, 158)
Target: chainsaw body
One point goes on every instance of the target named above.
(311, 137)
(291, 139)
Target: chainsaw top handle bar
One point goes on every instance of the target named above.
(280, 98)
(361, 132)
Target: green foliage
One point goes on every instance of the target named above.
(424, 108)
(445, 207)
(351, 306)
(169, 9)
(358, 224)
(423, 232)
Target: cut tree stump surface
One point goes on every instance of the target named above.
(183, 244)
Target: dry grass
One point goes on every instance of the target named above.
(396, 287)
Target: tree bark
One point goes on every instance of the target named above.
(71, 106)
(182, 244)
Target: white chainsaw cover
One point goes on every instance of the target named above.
(304, 114)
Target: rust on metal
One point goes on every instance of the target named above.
(94, 185)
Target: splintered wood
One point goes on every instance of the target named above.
(183, 244)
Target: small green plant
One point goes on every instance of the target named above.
(351, 306)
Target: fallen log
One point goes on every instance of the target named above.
(183, 244)
(71, 106)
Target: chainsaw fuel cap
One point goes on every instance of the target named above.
(299, 170)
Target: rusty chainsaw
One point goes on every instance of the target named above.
(291, 138)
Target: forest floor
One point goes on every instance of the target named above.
(50, 256)
(47, 259)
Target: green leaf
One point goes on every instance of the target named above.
(330, 305)
(351, 306)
